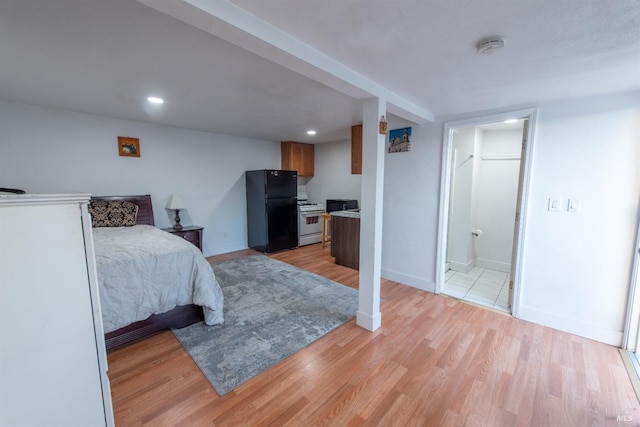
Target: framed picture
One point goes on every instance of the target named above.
(400, 140)
(129, 147)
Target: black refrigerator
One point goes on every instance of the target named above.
(272, 209)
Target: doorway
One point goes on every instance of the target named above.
(484, 183)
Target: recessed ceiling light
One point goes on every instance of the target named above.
(511, 121)
(311, 132)
(155, 100)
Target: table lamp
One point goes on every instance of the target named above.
(175, 203)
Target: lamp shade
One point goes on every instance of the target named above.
(175, 202)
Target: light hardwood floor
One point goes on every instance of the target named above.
(435, 361)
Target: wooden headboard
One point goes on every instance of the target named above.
(145, 210)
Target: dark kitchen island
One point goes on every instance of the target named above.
(345, 237)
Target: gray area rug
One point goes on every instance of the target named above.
(272, 310)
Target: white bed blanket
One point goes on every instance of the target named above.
(143, 270)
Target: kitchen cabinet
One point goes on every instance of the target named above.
(356, 150)
(345, 238)
(53, 361)
(297, 156)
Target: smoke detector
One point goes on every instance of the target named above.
(489, 45)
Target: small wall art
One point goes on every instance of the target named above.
(399, 140)
(383, 126)
(128, 147)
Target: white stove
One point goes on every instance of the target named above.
(309, 222)
(310, 207)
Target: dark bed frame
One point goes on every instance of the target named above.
(179, 317)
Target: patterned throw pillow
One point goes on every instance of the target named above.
(112, 213)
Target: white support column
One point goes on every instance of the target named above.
(373, 150)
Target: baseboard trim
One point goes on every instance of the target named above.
(223, 249)
(493, 265)
(462, 267)
(405, 279)
(370, 323)
(584, 329)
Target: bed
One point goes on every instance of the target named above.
(149, 280)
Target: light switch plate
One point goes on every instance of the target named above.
(554, 204)
(573, 205)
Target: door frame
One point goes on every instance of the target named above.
(445, 192)
(630, 338)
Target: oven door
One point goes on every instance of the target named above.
(310, 223)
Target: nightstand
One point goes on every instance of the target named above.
(192, 233)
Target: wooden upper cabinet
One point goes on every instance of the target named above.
(356, 150)
(297, 156)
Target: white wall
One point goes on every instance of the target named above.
(577, 266)
(332, 174)
(410, 215)
(499, 166)
(44, 150)
(459, 244)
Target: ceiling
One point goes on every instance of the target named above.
(105, 57)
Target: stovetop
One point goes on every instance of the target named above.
(304, 206)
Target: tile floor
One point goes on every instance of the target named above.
(481, 286)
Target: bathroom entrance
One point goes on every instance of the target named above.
(484, 187)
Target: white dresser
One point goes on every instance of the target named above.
(53, 365)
